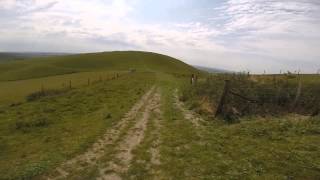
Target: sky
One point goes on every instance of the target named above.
(240, 35)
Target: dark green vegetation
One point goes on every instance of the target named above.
(256, 95)
(54, 124)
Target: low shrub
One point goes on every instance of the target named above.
(25, 124)
(40, 94)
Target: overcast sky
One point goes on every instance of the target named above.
(253, 35)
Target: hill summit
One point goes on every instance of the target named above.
(114, 61)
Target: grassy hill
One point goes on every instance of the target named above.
(54, 128)
(115, 61)
(21, 78)
(89, 116)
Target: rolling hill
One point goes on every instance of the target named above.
(91, 117)
(115, 61)
(212, 70)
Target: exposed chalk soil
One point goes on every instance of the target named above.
(135, 135)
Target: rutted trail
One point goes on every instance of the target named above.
(189, 115)
(155, 154)
(97, 151)
(135, 135)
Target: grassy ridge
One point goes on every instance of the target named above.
(20, 78)
(114, 61)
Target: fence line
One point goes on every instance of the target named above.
(70, 85)
(227, 91)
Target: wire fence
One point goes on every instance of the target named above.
(245, 94)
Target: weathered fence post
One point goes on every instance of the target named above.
(223, 98)
(296, 99)
(70, 84)
(42, 89)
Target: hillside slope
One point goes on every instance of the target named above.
(115, 61)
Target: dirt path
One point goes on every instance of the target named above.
(155, 154)
(121, 163)
(189, 115)
(155, 147)
(91, 157)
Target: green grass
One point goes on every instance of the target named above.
(16, 91)
(256, 148)
(114, 61)
(271, 148)
(54, 129)
(21, 78)
(37, 136)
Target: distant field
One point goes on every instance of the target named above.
(13, 56)
(16, 91)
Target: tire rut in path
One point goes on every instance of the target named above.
(154, 150)
(189, 115)
(93, 154)
(121, 163)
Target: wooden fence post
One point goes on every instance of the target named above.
(70, 84)
(223, 98)
(296, 99)
(42, 89)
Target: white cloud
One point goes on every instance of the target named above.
(247, 34)
(286, 31)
